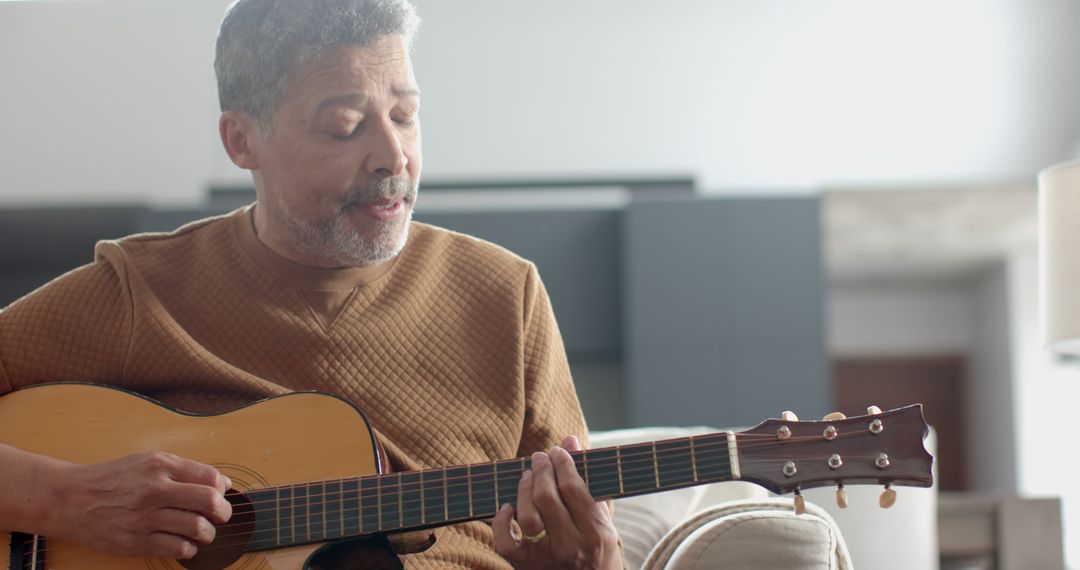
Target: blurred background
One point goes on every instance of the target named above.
(737, 207)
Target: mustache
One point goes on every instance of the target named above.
(380, 189)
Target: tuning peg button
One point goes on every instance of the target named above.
(834, 417)
(841, 497)
(789, 416)
(800, 503)
(873, 410)
(888, 498)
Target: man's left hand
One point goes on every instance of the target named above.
(562, 526)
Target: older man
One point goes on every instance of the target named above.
(447, 342)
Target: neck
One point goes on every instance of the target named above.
(328, 510)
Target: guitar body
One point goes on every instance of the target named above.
(288, 439)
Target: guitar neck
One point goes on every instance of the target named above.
(327, 510)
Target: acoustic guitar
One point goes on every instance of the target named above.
(307, 471)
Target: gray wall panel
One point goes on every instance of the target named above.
(578, 254)
(724, 311)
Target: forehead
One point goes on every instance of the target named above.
(381, 68)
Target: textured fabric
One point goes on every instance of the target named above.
(452, 352)
(753, 534)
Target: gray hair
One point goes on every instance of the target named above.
(260, 39)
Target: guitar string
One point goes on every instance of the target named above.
(638, 452)
(315, 531)
(628, 475)
(351, 515)
(630, 478)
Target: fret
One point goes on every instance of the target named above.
(674, 463)
(302, 532)
(266, 514)
(369, 505)
(412, 500)
(351, 507)
(335, 515)
(433, 490)
(458, 505)
(693, 459)
(468, 479)
(316, 512)
(390, 502)
(581, 461)
(603, 473)
(655, 467)
(286, 509)
(638, 469)
(446, 496)
(482, 490)
(618, 462)
(713, 463)
(37, 557)
(507, 475)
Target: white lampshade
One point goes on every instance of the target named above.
(1059, 256)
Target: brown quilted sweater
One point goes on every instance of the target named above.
(451, 350)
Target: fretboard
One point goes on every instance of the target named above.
(326, 510)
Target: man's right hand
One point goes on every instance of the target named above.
(146, 504)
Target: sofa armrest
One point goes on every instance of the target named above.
(751, 534)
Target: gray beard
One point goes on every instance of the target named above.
(337, 244)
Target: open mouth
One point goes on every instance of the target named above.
(382, 209)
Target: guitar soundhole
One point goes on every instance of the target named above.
(231, 539)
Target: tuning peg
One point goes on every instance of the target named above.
(841, 496)
(834, 416)
(789, 416)
(800, 503)
(888, 498)
(873, 410)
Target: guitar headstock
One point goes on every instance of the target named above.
(886, 448)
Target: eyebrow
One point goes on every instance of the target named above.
(358, 98)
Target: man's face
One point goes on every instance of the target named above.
(338, 177)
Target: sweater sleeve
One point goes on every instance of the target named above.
(75, 328)
(552, 410)
(5, 383)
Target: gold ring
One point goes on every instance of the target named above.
(536, 537)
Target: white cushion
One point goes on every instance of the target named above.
(751, 535)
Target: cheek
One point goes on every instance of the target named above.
(312, 179)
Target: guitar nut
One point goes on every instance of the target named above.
(829, 433)
(876, 427)
(784, 432)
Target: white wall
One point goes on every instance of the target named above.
(1046, 392)
(107, 101)
(900, 320)
(991, 391)
(114, 100)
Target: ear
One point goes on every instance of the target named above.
(241, 137)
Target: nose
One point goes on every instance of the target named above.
(386, 155)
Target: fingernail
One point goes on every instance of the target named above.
(228, 482)
(506, 507)
(535, 456)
